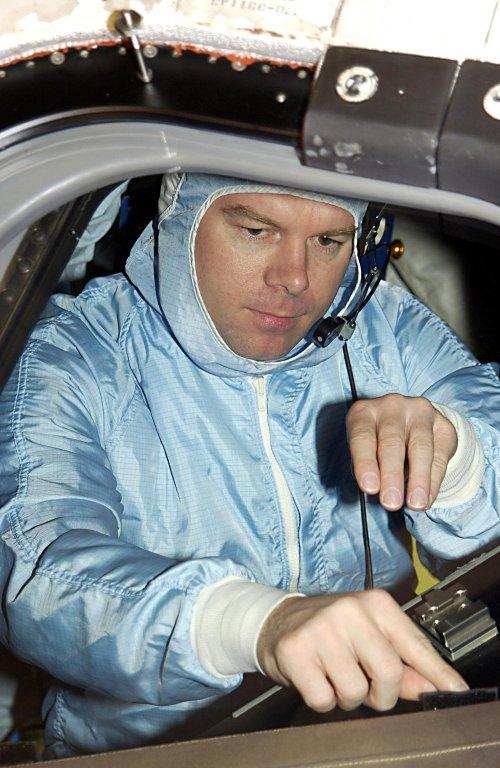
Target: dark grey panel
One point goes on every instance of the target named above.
(469, 149)
(391, 136)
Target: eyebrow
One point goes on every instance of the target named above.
(238, 211)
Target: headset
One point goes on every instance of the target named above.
(343, 326)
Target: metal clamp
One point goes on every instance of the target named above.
(454, 624)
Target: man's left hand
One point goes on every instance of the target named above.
(400, 448)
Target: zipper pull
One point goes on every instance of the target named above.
(260, 391)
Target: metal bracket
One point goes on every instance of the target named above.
(378, 115)
(454, 624)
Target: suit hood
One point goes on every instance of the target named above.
(162, 267)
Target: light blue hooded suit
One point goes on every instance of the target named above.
(133, 474)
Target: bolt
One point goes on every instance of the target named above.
(126, 23)
(281, 98)
(150, 51)
(238, 66)
(302, 74)
(57, 58)
(266, 68)
(357, 84)
(84, 53)
(491, 102)
(396, 249)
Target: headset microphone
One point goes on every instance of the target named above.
(343, 326)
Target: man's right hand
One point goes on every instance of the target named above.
(351, 649)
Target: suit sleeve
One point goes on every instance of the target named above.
(77, 600)
(439, 367)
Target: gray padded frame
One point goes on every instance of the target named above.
(40, 174)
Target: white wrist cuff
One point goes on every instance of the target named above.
(466, 467)
(227, 620)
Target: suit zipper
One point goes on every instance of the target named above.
(284, 496)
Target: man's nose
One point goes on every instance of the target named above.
(287, 268)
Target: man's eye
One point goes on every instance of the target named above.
(325, 241)
(254, 231)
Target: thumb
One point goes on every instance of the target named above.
(414, 684)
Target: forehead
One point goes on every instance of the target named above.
(283, 209)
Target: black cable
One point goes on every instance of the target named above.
(362, 497)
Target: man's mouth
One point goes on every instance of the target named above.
(274, 321)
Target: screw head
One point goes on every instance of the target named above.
(84, 53)
(302, 74)
(212, 59)
(150, 51)
(281, 98)
(357, 84)
(238, 66)
(3, 73)
(266, 68)
(491, 102)
(57, 58)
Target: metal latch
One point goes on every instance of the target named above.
(454, 624)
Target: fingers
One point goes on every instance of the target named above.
(394, 433)
(362, 436)
(351, 649)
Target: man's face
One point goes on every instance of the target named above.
(268, 267)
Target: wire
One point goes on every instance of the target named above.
(362, 496)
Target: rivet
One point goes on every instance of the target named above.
(24, 266)
(317, 140)
(122, 50)
(29, 64)
(176, 53)
(84, 53)
(57, 58)
(150, 51)
(357, 84)
(302, 74)
(491, 102)
(212, 59)
(3, 73)
(38, 235)
(238, 66)
(401, 91)
(266, 68)
(7, 297)
(281, 98)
